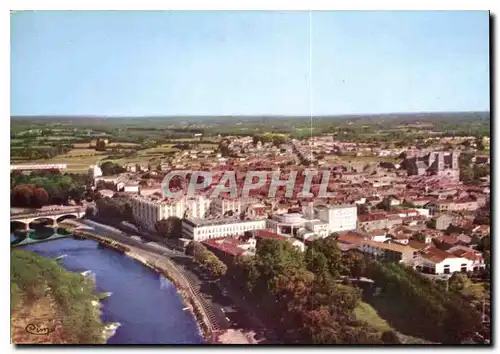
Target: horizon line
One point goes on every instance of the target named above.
(240, 115)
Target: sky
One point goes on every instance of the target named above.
(248, 63)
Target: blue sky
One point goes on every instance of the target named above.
(221, 63)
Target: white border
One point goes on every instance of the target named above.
(191, 5)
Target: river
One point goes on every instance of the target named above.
(146, 304)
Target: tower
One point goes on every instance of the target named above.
(440, 166)
(454, 160)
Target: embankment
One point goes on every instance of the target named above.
(162, 266)
(51, 305)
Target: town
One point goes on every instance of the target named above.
(427, 209)
(251, 177)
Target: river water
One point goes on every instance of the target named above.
(146, 304)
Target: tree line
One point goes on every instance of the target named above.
(309, 297)
(301, 294)
(44, 188)
(437, 315)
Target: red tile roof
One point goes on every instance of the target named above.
(350, 239)
(372, 217)
(268, 234)
(436, 255)
(227, 245)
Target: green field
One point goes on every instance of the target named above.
(366, 313)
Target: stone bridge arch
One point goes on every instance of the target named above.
(51, 220)
(18, 225)
(69, 216)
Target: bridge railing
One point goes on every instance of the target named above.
(46, 213)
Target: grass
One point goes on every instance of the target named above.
(366, 313)
(123, 144)
(81, 145)
(476, 291)
(82, 152)
(157, 151)
(42, 292)
(367, 159)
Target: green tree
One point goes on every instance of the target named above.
(328, 247)
(21, 196)
(170, 227)
(459, 281)
(100, 145)
(355, 264)
(40, 198)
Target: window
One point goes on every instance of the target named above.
(446, 269)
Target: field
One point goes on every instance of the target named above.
(81, 153)
(160, 150)
(366, 313)
(121, 144)
(366, 159)
(149, 139)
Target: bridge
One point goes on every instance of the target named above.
(55, 216)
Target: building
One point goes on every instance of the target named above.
(204, 229)
(38, 167)
(378, 221)
(388, 251)
(94, 172)
(443, 221)
(318, 227)
(221, 206)
(443, 206)
(270, 235)
(338, 217)
(440, 163)
(432, 260)
(147, 211)
(286, 224)
(228, 248)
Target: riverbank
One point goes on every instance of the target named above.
(164, 267)
(50, 305)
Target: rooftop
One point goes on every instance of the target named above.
(196, 222)
(389, 246)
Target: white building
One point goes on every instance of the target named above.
(318, 227)
(338, 217)
(435, 261)
(94, 172)
(149, 210)
(286, 224)
(221, 206)
(131, 187)
(203, 229)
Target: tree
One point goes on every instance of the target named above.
(355, 264)
(459, 281)
(170, 227)
(328, 247)
(362, 209)
(480, 171)
(100, 145)
(419, 236)
(110, 168)
(215, 267)
(22, 195)
(40, 198)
